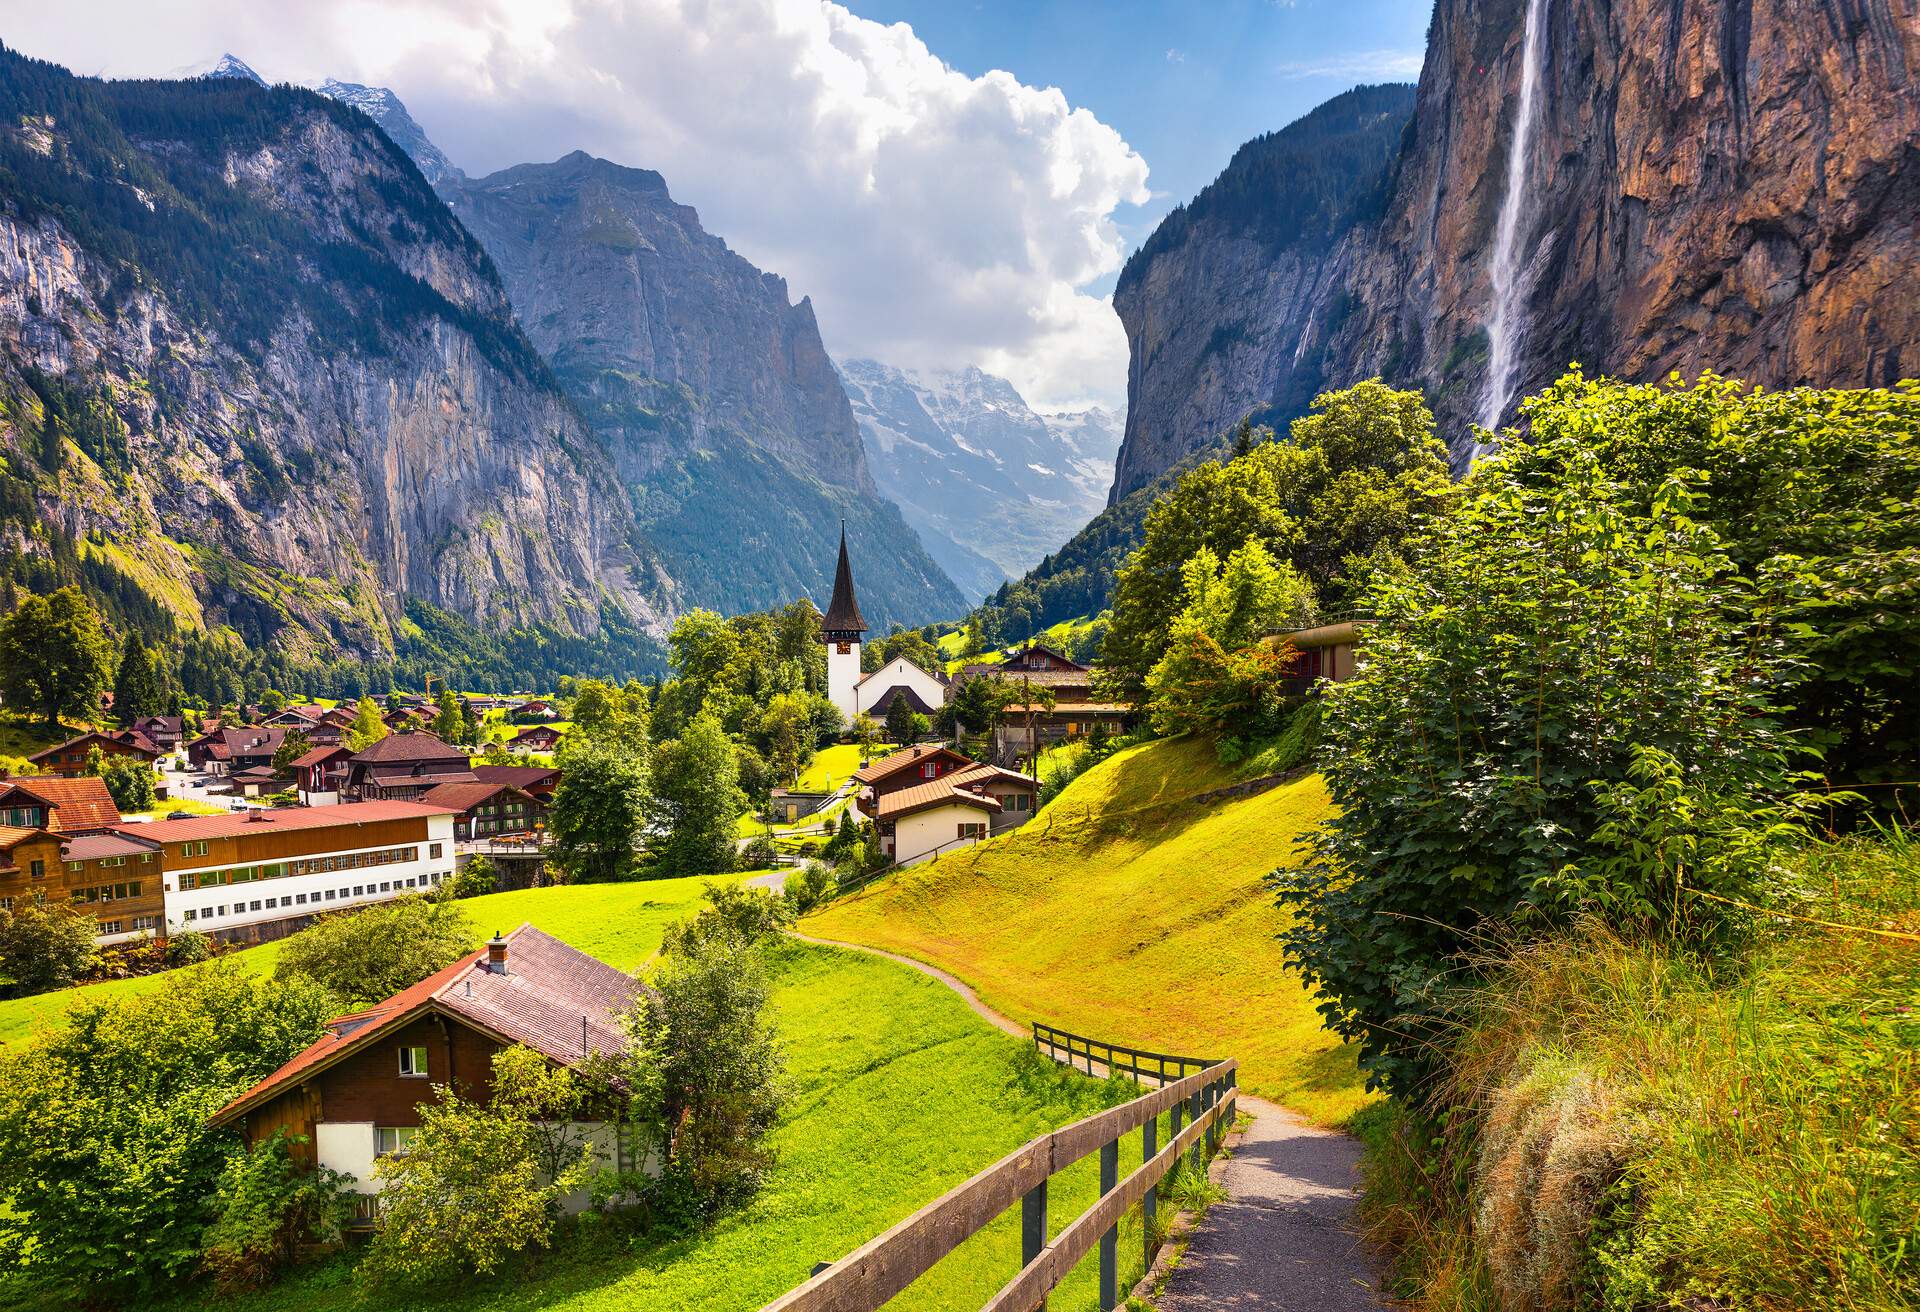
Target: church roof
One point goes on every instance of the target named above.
(843, 612)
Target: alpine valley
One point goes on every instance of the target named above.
(259, 379)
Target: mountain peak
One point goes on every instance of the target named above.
(386, 109)
(228, 65)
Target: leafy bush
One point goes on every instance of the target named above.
(129, 782)
(266, 1206)
(188, 948)
(734, 912)
(475, 878)
(1552, 639)
(366, 955)
(809, 887)
(482, 1180)
(758, 854)
(43, 947)
(104, 1143)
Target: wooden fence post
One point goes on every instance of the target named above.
(1033, 1225)
(1110, 1241)
(1196, 1154)
(1149, 1145)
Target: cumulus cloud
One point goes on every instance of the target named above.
(936, 219)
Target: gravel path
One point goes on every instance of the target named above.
(1283, 1241)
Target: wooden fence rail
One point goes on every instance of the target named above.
(1082, 1053)
(880, 1268)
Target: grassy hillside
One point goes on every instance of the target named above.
(1125, 912)
(622, 924)
(896, 1093)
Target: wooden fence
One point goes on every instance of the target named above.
(1201, 1107)
(1082, 1053)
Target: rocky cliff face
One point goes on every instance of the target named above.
(1726, 185)
(992, 485)
(712, 392)
(248, 362)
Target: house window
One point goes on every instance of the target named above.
(6, 904)
(393, 1138)
(256, 905)
(146, 923)
(189, 882)
(190, 914)
(109, 927)
(37, 869)
(433, 851)
(193, 849)
(972, 830)
(413, 1062)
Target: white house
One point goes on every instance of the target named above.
(899, 677)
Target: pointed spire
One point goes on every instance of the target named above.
(843, 612)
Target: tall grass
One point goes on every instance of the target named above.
(1629, 1128)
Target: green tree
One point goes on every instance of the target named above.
(111, 1168)
(1551, 641)
(1215, 675)
(139, 685)
(616, 717)
(696, 801)
(54, 657)
(129, 782)
(365, 956)
(293, 746)
(448, 724)
(42, 947)
(786, 725)
(1357, 476)
(866, 732)
(367, 728)
(704, 1059)
(272, 702)
(475, 878)
(481, 1180)
(598, 812)
(904, 724)
(266, 1206)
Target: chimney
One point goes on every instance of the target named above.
(497, 954)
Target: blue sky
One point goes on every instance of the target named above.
(1184, 83)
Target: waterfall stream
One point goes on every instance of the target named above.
(1507, 273)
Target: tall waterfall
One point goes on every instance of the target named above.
(1507, 274)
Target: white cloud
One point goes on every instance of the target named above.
(1365, 65)
(936, 219)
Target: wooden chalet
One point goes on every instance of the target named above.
(165, 732)
(489, 810)
(403, 766)
(320, 774)
(1029, 724)
(354, 1095)
(70, 757)
(535, 780)
(933, 799)
(57, 847)
(541, 738)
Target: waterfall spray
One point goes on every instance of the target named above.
(1506, 274)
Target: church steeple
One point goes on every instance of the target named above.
(843, 612)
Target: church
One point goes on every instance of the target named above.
(874, 692)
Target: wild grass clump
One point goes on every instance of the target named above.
(1623, 1126)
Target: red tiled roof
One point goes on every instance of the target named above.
(12, 835)
(91, 847)
(278, 818)
(935, 792)
(554, 998)
(82, 803)
(402, 747)
(887, 766)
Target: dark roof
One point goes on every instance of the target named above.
(465, 796)
(91, 847)
(280, 819)
(520, 776)
(843, 612)
(318, 756)
(884, 702)
(408, 747)
(554, 998)
(142, 745)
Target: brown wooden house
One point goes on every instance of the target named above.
(70, 757)
(355, 1094)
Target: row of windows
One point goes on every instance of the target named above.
(141, 924)
(108, 862)
(106, 892)
(295, 900)
(318, 865)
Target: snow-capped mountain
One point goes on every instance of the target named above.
(991, 485)
(384, 108)
(225, 66)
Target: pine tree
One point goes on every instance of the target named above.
(138, 688)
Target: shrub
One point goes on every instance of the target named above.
(810, 887)
(43, 947)
(481, 1180)
(734, 912)
(188, 948)
(476, 878)
(267, 1205)
(758, 854)
(364, 956)
(1549, 642)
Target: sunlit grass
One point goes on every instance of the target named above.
(1124, 912)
